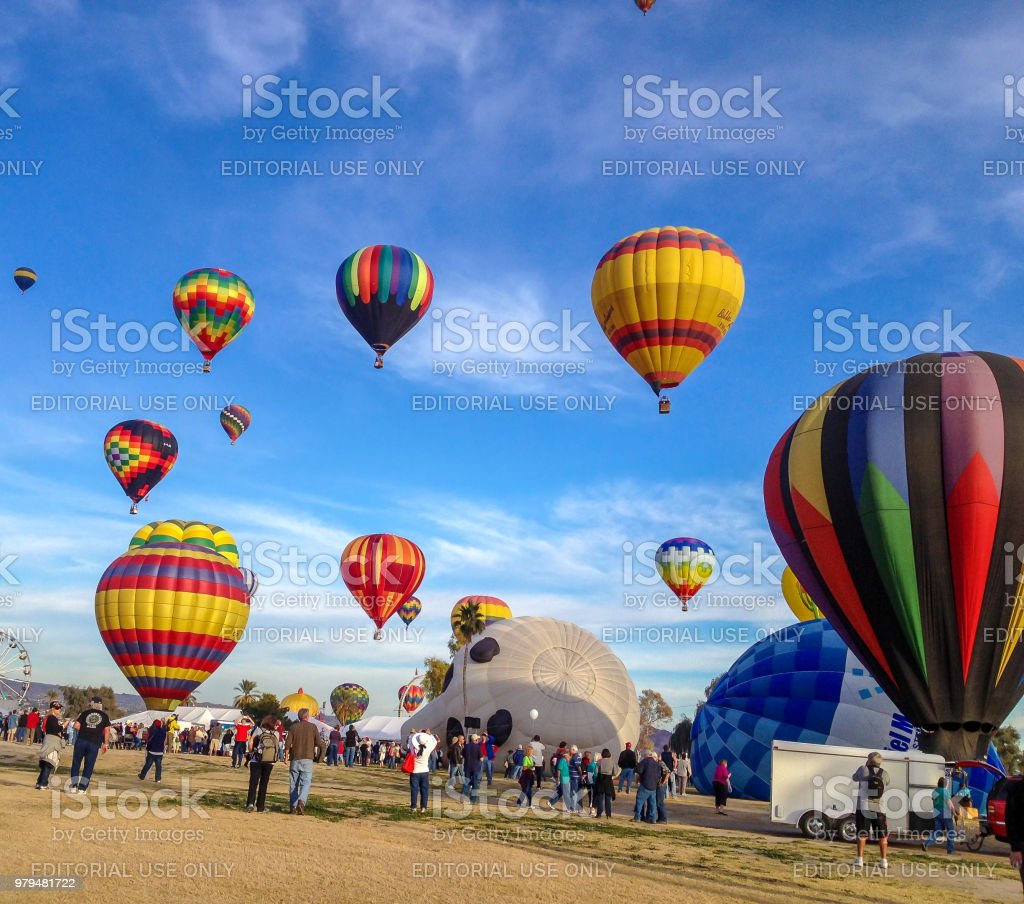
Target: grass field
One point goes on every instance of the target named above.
(358, 841)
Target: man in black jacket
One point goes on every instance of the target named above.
(627, 763)
(351, 743)
(472, 764)
(1015, 825)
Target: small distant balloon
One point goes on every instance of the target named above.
(235, 420)
(25, 278)
(644, 5)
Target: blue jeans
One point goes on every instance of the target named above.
(574, 792)
(660, 802)
(332, 754)
(300, 778)
(151, 760)
(471, 786)
(646, 799)
(455, 774)
(238, 754)
(83, 761)
(626, 776)
(943, 824)
(515, 772)
(489, 766)
(350, 755)
(419, 786)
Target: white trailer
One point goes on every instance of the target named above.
(813, 789)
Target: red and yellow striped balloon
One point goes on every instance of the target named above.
(382, 571)
(665, 298)
(169, 614)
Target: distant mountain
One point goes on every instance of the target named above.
(660, 737)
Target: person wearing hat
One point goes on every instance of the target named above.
(92, 739)
(156, 741)
(872, 780)
(472, 765)
(53, 740)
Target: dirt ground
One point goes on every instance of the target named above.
(358, 841)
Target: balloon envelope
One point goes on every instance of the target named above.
(169, 614)
(894, 499)
(301, 700)
(382, 571)
(685, 564)
(665, 298)
(197, 533)
(235, 420)
(25, 278)
(213, 306)
(139, 454)
(798, 599)
(357, 694)
(490, 608)
(408, 611)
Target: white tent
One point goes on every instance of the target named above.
(147, 717)
(382, 728)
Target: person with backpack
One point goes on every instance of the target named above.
(264, 750)
(945, 809)
(872, 780)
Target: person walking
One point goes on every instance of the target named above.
(538, 758)
(490, 752)
(302, 743)
(526, 778)
(421, 745)
(92, 729)
(627, 766)
(562, 775)
(456, 753)
(722, 784)
(872, 780)
(53, 741)
(604, 784)
(575, 778)
(156, 741)
(944, 810)
(264, 751)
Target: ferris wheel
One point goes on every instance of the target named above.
(15, 670)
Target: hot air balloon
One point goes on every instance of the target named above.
(213, 306)
(895, 499)
(644, 5)
(408, 611)
(301, 700)
(25, 278)
(798, 600)
(169, 614)
(411, 697)
(685, 564)
(382, 571)
(384, 291)
(252, 582)
(197, 533)
(665, 298)
(235, 420)
(354, 697)
(139, 453)
(490, 609)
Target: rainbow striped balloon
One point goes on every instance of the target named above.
(235, 420)
(169, 614)
(408, 611)
(358, 695)
(411, 697)
(384, 291)
(213, 306)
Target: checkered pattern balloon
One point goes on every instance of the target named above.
(213, 306)
(139, 454)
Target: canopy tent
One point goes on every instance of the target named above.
(382, 728)
(147, 718)
(320, 726)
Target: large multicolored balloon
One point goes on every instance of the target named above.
(384, 291)
(382, 571)
(411, 696)
(489, 608)
(25, 278)
(408, 611)
(798, 599)
(213, 306)
(169, 614)
(197, 533)
(665, 298)
(685, 564)
(895, 499)
(235, 420)
(301, 700)
(357, 696)
(139, 454)
(644, 5)
(801, 683)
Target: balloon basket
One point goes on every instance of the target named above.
(379, 363)
(378, 635)
(206, 367)
(664, 405)
(134, 510)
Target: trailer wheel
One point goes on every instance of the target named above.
(846, 829)
(815, 825)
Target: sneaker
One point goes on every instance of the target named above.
(291, 810)
(300, 808)
(884, 864)
(858, 862)
(249, 808)
(924, 846)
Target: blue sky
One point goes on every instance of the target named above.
(508, 111)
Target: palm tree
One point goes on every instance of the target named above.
(190, 700)
(52, 695)
(347, 709)
(246, 693)
(468, 622)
